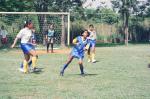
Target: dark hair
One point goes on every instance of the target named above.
(86, 30)
(91, 25)
(27, 22)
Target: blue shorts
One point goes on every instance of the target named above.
(77, 55)
(26, 48)
(92, 43)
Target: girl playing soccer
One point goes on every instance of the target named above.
(80, 45)
(33, 40)
(92, 40)
(28, 49)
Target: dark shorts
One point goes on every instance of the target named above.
(26, 48)
(4, 40)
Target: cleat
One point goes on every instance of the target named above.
(21, 70)
(83, 74)
(61, 73)
(94, 61)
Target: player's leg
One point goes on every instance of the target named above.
(93, 51)
(66, 65)
(47, 45)
(52, 43)
(25, 63)
(34, 58)
(29, 64)
(89, 55)
(81, 66)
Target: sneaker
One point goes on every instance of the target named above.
(89, 61)
(21, 70)
(83, 74)
(93, 61)
(61, 73)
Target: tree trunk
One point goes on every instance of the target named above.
(126, 28)
(63, 32)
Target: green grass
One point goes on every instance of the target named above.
(120, 73)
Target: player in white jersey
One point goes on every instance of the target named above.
(92, 40)
(28, 49)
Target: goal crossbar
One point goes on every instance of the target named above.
(52, 13)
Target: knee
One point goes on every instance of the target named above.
(80, 62)
(34, 54)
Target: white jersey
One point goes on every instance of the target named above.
(92, 35)
(25, 35)
(3, 33)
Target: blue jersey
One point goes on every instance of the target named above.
(50, 33)
(78, 49)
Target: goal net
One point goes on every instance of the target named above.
(14, 21)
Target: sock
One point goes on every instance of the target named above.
(25, 66)
(34, 59)
(29, 64)
(64, 67)
(93, 56)
(81, 68)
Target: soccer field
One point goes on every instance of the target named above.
(120, 73)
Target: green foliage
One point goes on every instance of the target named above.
(15, 5)
(103, 15)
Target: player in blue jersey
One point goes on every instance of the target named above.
(80, 45)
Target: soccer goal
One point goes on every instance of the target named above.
(14, 21)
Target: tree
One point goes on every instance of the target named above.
(124, 7)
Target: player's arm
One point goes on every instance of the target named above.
(15, 41)
(19, 35)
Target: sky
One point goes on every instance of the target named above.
(96, 3)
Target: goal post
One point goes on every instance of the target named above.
(14, 21)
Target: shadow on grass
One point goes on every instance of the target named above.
(86, 74)
(148, 65)
(38, 71)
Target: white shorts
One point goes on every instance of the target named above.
(50, 40)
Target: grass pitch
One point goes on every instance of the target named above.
(120, 73)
